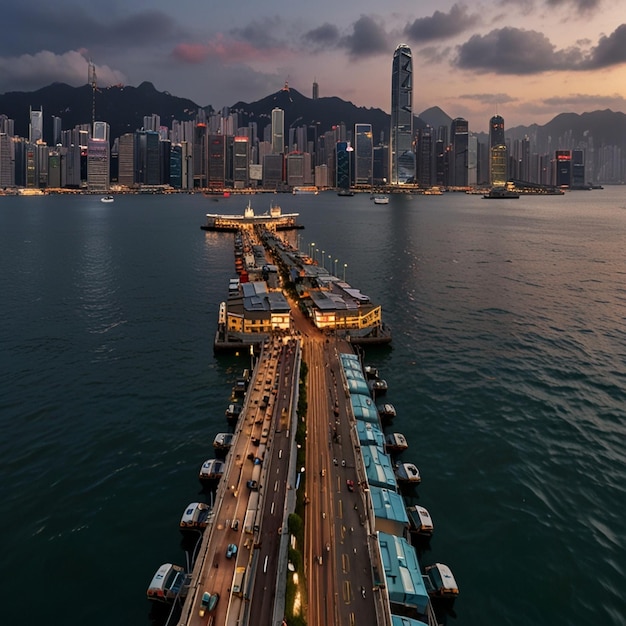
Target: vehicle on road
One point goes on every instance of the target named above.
(350, 484)
(231, 550)
(208, 602)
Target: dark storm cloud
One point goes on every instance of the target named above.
(515, 51)
(520, 52)
(576, 7)
(262, 33)
(324, 36)
(58, 31)
(441, 25)
(610, 50)
(581, 6)
(367, 39)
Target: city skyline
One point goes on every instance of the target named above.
(527, 61)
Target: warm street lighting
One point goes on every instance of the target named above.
(344, 271)
(324, 259)
(335, 270)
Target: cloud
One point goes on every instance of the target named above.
(441, 25)
(368, 38)
(31, 71)
(595, 101)
(580, 7)
(522, 52)
(610, 50)
(489, 98)
(227, 51)
(323, 37)
(515, 51)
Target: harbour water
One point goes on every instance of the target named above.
(507, 369)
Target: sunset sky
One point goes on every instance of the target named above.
(527, 60)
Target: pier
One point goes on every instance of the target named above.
(307, 518)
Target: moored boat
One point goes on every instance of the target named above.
(195, 517)
(378, 386)
(386, 410)
(211, 470)
(107, 199)
(407, 473)
(440, 581)
(233, 411)
(396, 442)
(167, 584)
(501, 193)
(420, 521)
(223, 441)
(381, 199)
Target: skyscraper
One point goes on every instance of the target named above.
(497, 152)
(35, 129)
(402, 158)
(316, 90)
(363, 154)
(278, 131)
(459, 134)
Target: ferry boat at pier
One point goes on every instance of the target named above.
(273, 220)
(211, 470)
(168, 584)
(386, 411)
(420, 521)
(223, 441)
(407, 473)
(381, 199)
(396, 442)
(195, 517)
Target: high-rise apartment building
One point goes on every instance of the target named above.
(402, 157)
(278, 131)
(316, 90)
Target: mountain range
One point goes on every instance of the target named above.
(124, 108)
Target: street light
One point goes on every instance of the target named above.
(324, 259)
(344, 271)
(335, 270)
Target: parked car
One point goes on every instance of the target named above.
(231, 550)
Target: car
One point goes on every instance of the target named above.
(253, 485)
(231, 550)
(350, 484)
(235, 524)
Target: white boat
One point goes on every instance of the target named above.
(420, 520)
(441, 581)
(408, 473)
(212, 469)
(381, 199)
(386, 410)
(195, 517)
(396, 442)
(167, 584)
(107, 199)
(223, 441)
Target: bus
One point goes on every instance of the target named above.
(238, 580)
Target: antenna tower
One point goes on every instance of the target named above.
(94, 85)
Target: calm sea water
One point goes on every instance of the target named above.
(508, 371)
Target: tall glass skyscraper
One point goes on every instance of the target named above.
(363, 154)
(278, 131)
(401, 155)
(497, 152)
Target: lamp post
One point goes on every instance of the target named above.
(335, 270)
(312, 255)
(324, 259)
(344, 271)
(330, 262)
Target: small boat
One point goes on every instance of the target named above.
(381, 199)
(386, 410)
(420, 521)
(107, 199)
(223, 441)
(195, 517)
(307, 189)
(501, 193)
(167, 584)
(212, 469)
(233, 411)
(378, 386)
(396, 442)
(408, 473)
(371, 373)
(208, 602)
(345, 193)
(440, 581)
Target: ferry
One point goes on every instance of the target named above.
(386, 410)
(167, 584)
(501, 193)
(420, 521)
(107, 199)
(396, 442)
(440, 581)
(378, 386)
(310, 190)
(195, 517)
(223, 441)
(381, 199)
(212, 469)
(407, 473)
(232, 412)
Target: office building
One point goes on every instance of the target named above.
(459, 133)
(278, 131)
(35, 128)
(498, 159)
(363, 154)
(402, 157)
